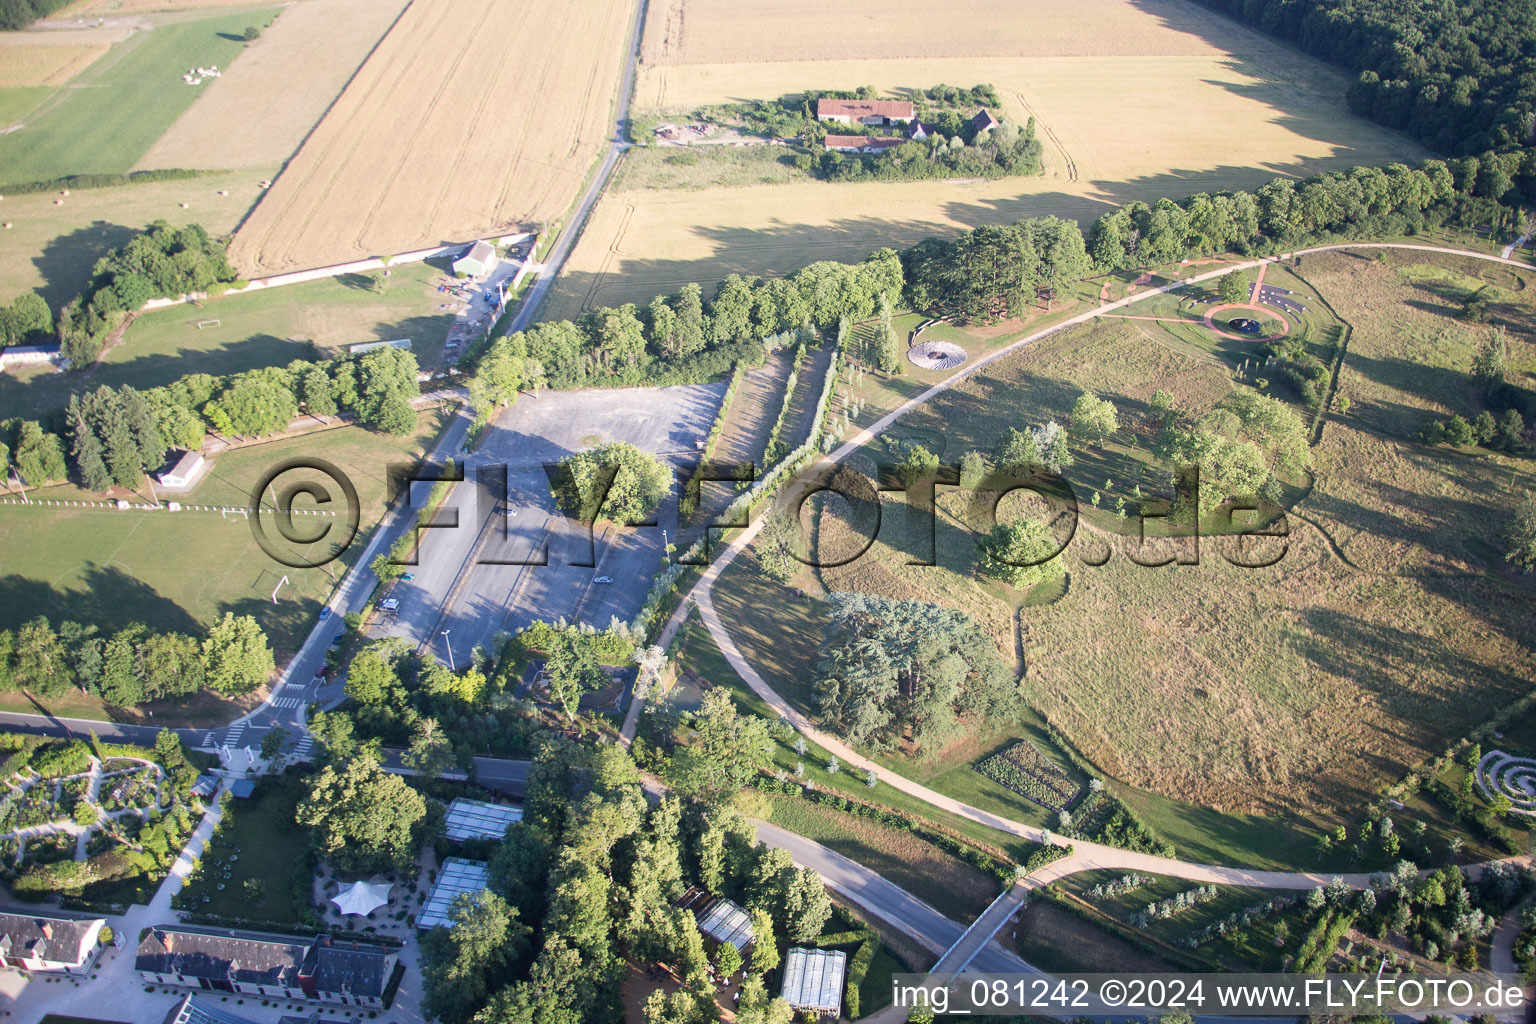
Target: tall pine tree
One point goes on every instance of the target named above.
(86, 449)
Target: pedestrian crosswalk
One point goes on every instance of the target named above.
(306, 745)
(233, 736)
(287, 702)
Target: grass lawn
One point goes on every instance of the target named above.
(19, 100)
(674, 167)
(179, 571)
(51, 248)
(262, 833)
(270, 327)
(932, 875)
(110, 115)
(1053, 938)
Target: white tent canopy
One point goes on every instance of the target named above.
(362, 898)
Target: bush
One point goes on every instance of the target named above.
(252, 33)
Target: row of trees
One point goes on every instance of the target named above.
(1285, 212)
(1460, 77)
(680, 336)
(162, 261)
(117, 434)
(134, 664)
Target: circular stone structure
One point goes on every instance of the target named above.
(1244, 325)
(1502, 774)
(1210, 321)
(936, 355)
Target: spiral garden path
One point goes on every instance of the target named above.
(1503, 774)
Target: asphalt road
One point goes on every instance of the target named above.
(887, 901)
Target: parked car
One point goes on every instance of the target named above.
(325, 613)
(602, 579)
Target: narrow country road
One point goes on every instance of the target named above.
(927, 926)
(554, 261)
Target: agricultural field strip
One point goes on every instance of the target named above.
(431, 87)
(261, 109)
(1086, 855)
(35, 59)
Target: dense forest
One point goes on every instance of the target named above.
(16, 14)
(1459, 75)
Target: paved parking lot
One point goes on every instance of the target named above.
(470, 580)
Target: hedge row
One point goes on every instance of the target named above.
(73, 181)
(772, 449)
(691, 491)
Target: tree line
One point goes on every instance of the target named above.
(1459, 77)
(681, 337)
(954, 149)
(115, 435)
(1286, 213)
(134, 664)
(18, 14)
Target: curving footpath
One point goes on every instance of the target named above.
(1085, 856)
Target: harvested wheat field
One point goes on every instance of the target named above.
(1181, 101)
(34, 58)
(725, 31)
(259, 111)
(466, 119)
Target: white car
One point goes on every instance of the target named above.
(510, 513)
(602, 579)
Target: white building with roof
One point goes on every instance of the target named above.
(479, 819)
(813, 980)
(456, 876)
(182, 469)
(478, 260)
